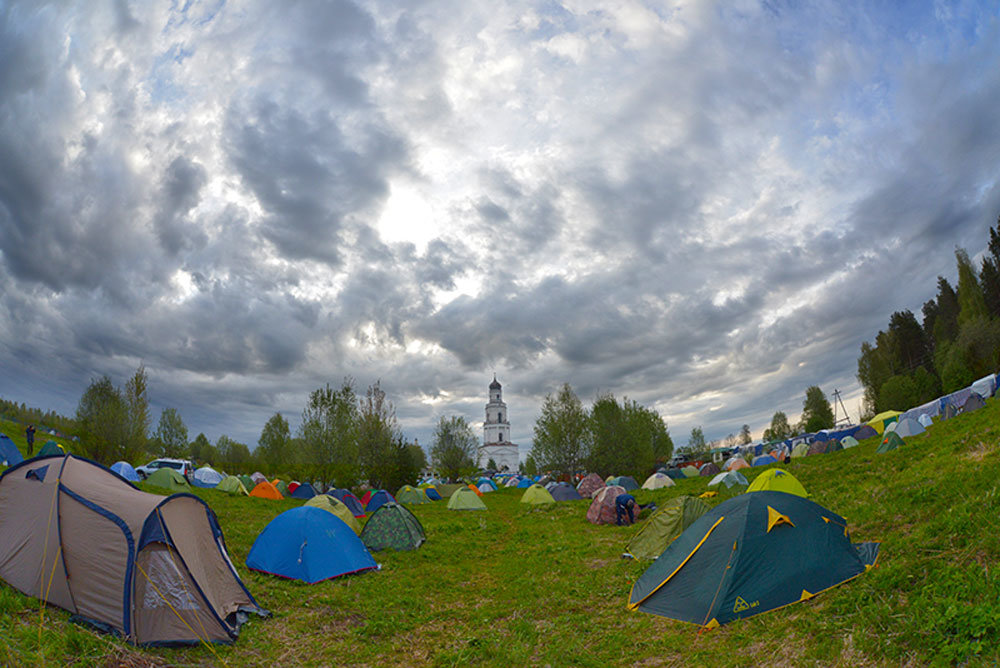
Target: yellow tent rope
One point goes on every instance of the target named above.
(159, 516)
(45, 551)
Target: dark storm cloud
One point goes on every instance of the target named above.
(181, 187)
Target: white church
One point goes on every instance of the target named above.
(496, 434)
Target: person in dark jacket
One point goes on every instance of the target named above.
(624, 504)
(29, 435)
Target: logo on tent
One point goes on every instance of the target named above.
(742, 605)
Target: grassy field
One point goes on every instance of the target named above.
(515, 588)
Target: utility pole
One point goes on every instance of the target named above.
(838, 400)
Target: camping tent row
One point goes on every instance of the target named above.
(154, 569)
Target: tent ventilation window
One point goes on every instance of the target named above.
(774, 518)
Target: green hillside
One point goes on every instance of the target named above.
(512, 587)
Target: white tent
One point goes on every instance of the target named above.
(658, 480)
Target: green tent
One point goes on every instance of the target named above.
(849, 442)
(664, 526)
(447, 490)
(51, 448)
(407, 494)
(282, 487)
(333, 505)
(393, 526)
(800, 450)
(538, 497)
(169, 478)
(247, 481)
(776, 480)
(232, 485)
(690, 472)
(891, 441)
(465, 499)
(748, 555)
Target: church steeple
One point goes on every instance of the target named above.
(496, 428)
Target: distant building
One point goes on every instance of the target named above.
(496, 434)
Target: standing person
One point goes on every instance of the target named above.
(624, 503)
(29, 435)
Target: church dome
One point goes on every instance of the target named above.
(495, 385)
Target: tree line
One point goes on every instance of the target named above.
(956, 342)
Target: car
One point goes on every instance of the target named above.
(183, 466)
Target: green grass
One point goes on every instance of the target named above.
(511, 587)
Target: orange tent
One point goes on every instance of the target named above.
(475, 489)
(737, 463)
(266, 490)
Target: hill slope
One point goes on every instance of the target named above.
(513, 587)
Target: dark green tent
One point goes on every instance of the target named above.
(247, 481)
(665, 525)
(393, 526)
(890, 441)
(51, 448)
(750, 554)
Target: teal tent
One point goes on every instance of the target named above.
(750, 554)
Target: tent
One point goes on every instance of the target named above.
(880, 421)
(800, 450)
(332, 505)
(777, 480)
(925, 420)
(511, 482)
(908, 427)
(393, 526)
(748, 555)
(232, 485)
(486, 481)
(676, 474)
(125, 470)
(602, 508)
(377, 498)
(973, 403)
(9, 454)
(626, 481)
(764, 460)
(590, 484)
(525, 483)
(51, 448)
(407, 494)
(665, 525)
(563, 491)
(985, 386)
(282, 487)
(247, 481)
(891, 441)
(349, 500)
(303, 491)
(658, 480)
(729, 478)
(257, 477)
(465, 499)
(265, 490)
(309, 544)
(865, 431)
(690, 471)
(293, 485)
(432, 493)
(709, 469)
(168, 478)
(848, 442)
(825, 447)
(475, 489)
(447, 490)
(153, 569)
(206, 477)
(537, 496)
(484, 488)
(736, 463)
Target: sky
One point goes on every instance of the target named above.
(705, 207)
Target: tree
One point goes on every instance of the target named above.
(899, 391)
(233, 455)
(945, 321)
(379, 440)
(696, 442)
(171, 434)
(779, 429)
(745, 437)
(491, 465)
(529, 467)
(560, 434)
(454, 449)
(816, 411)
(329, 433)
(101, 415)
(646, 426)
(274, 445)
(200, 448)
(417, 456)
(989, 273)
(971, 302)
(137, 419)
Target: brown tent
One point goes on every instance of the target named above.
(709, 469)
(602, 508)
(589, 485)
(151, 568)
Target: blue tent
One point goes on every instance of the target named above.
(432, 494)
(206, 477)
(764, 460)
(125, 470)
(304, 491)
(309, 544)
(9, 454)
(349, 500)
(488, 481)
(377, 499)
(525, 483)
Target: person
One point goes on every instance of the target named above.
(624, 503)
(29, 435)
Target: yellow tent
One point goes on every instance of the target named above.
(880, 421)
(332, 505)
(776, 480)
